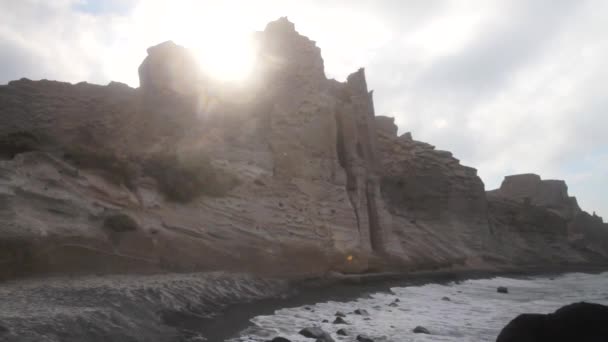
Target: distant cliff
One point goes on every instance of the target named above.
(292, 174)
(543, 213)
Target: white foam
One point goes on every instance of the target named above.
(475, 312)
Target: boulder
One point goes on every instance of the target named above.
(339, 320)
(362, 312)
(325, 338)
(340, 314)
(279, 339)
(447, 299)
(502, 289)
(342, 332)
(316, 332)
(575, 322)
(364, 338)
(421, 330)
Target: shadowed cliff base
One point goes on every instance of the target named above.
(291, 175)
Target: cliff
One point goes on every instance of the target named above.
(294, 175)
(551, 221)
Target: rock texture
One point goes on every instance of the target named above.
(294, 175)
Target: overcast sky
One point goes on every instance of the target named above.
(507, 86)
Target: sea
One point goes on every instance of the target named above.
(470, 310)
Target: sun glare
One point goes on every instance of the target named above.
(223, 47)
(226, 58)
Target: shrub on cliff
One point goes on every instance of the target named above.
(184, 178)
(115, 167)
(17, 142)
(120, 223)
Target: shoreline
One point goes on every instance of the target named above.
(236, 318)
(173, 307)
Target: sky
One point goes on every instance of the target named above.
(511, 86)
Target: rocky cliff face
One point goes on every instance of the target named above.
(550, 221)
(438, 207)
(291, 177)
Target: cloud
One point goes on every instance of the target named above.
(49, 39)
(97, 7)
(521, 93)
(508, 86)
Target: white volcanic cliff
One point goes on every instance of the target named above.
(288, 177)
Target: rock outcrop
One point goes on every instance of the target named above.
(295, 175)
(545, 216)
(438, 207)
(530, 189)
(575, 322)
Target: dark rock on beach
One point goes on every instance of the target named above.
(340, 320)
(361, 312)
(279, 339)
(421, 330)
(318, 333)
(364, 338)
(342, 332)
(585, 322)
(312, 332)
(325, 338)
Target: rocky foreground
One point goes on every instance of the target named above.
(291, 175)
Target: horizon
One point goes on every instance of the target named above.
(460, 86)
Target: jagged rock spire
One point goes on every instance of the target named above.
(169, 68)
(285, 53)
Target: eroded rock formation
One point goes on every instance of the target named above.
(293, 176)
(545, 216)
(438, 207)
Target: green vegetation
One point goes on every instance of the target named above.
(120, 223)
(17, 142)
(183, 179)
(115, 167)
(180, 178)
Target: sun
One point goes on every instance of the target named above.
(226, 57)
(224, 48)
